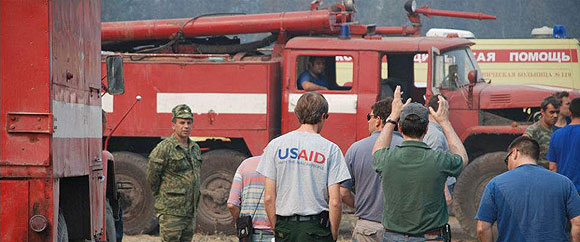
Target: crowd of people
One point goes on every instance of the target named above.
(397, 179)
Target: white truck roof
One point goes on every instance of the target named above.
(436, 32)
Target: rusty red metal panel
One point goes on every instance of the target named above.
(76, 84)
(14, 210)
(24, 72)
(41, 202)
(76, 103)
(21, 122)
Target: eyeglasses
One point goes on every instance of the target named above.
(508, 156)
(369, 116)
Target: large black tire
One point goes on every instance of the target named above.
(217, 172)
(62, 230)
(135, 194)
(470, 186)
(110, 224)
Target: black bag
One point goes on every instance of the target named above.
(244, 226)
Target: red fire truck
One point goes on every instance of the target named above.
(243, 95)
(53, 179)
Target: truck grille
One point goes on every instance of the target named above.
(500, 98)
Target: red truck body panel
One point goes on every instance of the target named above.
(50, 112)
(229, 99)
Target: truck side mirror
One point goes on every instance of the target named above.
(472, 76)
(115, 78)
(453, 75)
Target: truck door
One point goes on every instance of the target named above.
(434, 61)
(338, 77)
(448, 75)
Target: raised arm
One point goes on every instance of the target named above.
(384, 139)
(442, 117)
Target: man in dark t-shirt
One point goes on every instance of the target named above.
(413, 175)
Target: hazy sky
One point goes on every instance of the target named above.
(515, 18)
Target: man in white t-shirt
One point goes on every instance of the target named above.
(303, 173)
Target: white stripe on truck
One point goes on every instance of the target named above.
(73, 120)
(337, 103)
(234, 103)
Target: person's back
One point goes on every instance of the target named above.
(303, 164)
(303, 173)
(413, 175)
(246, 198)
(530, 204)
(368, 188)
(564, 151)
(418, 178)
(566, 145)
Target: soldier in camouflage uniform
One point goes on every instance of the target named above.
(173, 175)
(541, 131)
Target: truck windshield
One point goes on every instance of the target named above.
(452, 67)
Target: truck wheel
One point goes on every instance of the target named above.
(62, 231)
(471, 184)
(217, 172)
(135, 195)
(110, 223)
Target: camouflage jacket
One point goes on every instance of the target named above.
(542, 135)
(173, 174)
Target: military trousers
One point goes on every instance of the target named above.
(176, 228)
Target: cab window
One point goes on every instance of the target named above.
(324, 73)
(451, 69)
(397, 70)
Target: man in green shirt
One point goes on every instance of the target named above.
(542, 131)
(412, 174)
(173, 175)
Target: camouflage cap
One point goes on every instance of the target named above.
(416, 109)
(182, 111)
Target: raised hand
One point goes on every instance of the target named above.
(397, 104)
(442, 114)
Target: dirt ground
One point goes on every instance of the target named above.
(348, 221)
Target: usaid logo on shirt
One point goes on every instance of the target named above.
(301, 155)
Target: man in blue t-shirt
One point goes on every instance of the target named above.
(564, 151)
(528, 202)
(313, 79)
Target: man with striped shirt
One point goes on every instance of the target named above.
(247, 198)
